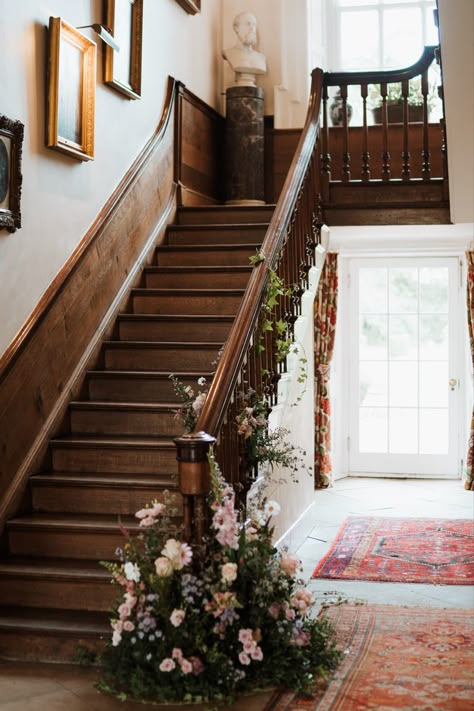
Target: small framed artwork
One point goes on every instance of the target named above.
(11, 143)
(123, 68)
(71, 90)
(191, 6)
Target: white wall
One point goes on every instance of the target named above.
(456, 21)
(60, 196)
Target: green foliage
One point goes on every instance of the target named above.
(265, 446)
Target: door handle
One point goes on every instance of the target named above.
(452, 383)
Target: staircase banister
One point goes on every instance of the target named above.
(382, 76)
(236, 346)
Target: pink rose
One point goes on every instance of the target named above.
(289, 563)
(186, 666)
(198, 666)
(163, 567)
(167, 665)
(128, 626)
(244, 658)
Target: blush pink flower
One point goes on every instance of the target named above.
(257, 654)
(128, 626)
(289, 563)
(180, 554)
(244, 658)
(167, 665)
(177, 617)
(274, 610)
(245, 635)
(177, 653)
(164, 567)
(186, 666)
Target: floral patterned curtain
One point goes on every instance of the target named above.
(325, 311)
(469, 483)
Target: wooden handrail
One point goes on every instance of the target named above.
(387, 76)
(230, 364)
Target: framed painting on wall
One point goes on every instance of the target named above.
(123, 68)
(11, 142)
(71, 90)
(191, 6)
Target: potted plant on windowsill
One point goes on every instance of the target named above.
(395, 101)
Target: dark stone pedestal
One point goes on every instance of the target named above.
(244, 172)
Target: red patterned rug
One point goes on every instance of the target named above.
(402, 550)
(401, 658)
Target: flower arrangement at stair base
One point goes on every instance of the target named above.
(208, 623)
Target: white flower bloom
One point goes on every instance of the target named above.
(131, 571)
(229, 572)
(202, 381)
(271, 508)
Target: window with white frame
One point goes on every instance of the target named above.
(378, 34)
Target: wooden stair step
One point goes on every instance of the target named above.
(186, 301)
(55, 583)
(122, 418)
(178, 327)
(145, 355)
(216, 234)
(206, 255)
(139, 386)
(120, 455)
(78, 536)
(49, 635)
(194, 277)
(223, 214)
(100, 493)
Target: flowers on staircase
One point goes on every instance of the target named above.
(205, 623)
(192, 401)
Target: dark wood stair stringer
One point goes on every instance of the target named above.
(117, 451)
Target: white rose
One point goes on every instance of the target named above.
(229, 572)
(131, 571)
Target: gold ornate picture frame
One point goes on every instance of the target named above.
(123, 69)
(191, 6)
(72, 70)
(11, 143)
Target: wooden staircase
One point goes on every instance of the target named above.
(118, 452)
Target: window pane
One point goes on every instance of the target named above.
(433, 290)
(434, 338)
(403, 290)
(373, 383)
(402, 36)
(373, 429)
(403, 337)
(354, 3)
(373, 290)
(403, 384)
(433, 384)
(359, 40)
(373, 338)
(403, 431)
(434, 431)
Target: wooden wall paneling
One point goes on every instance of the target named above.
(200, 154)
(42, 368)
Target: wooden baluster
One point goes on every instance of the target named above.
(385, 151)
(346, 156)
(426, 166)
(326, 156)
(365, 174)
(405, 153)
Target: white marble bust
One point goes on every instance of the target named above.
(244, 60)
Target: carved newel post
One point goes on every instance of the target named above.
(244, 137)
(194, 482)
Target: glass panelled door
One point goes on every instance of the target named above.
(404, 366)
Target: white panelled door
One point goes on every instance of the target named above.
(405, 366)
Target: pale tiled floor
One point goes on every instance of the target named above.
(28, 687)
